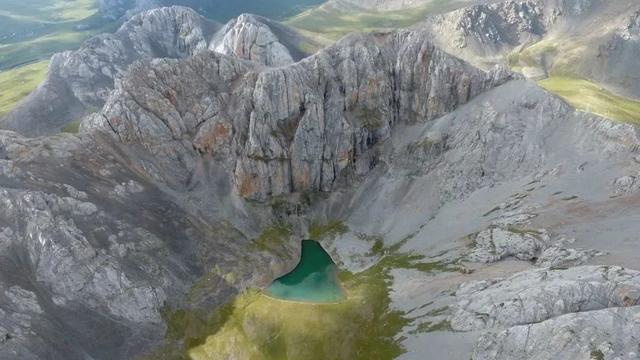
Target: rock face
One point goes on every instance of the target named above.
(548, 36)
(100, 232)
(300, 128)
(601, 334)
(86, 271)
(487, 30)
(80, 81)
(168, 197)
(260, 40)
(497, 243)
(582, 312)
(534, 296)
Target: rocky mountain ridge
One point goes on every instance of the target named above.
(199, 176)
(83, 251)
(299, 128)
(80, 81)
(584, 38)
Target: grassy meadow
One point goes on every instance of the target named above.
(33, 30)
(591, 97)
(17, 83)
(330, 22)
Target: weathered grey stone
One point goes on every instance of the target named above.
(250, 38)
(23, 300)
(157, 193)
(601, 334)
(80, 81)
(289, 129)
(537, 295)
(558, 256)
(606, 51)
(498, 243)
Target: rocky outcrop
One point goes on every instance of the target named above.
(488, 30)
(79, 257)
(543, 37)
(601, 334)
(300, 128)
(261, 40)
(80, 81)
(615, 61)
(155, 205)
(537, 295)
(497, 243)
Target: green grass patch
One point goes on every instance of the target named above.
(60, 38)
(72, 127)
(274, 237)
(588, 96)
(533, 55)
(319, 231)
(429, 326)
(17, 83)
(361, 327)
(332, 22)
(47, 11)
(35, 29)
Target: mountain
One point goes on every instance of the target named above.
(473, 214)
(201, 155)
(590, 39)
(79, 81)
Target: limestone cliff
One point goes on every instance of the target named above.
(488, 202)
(80, 81)
(306, 127)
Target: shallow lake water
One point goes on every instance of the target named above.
(314, 279)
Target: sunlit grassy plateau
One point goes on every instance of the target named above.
(19, 82)
(31, 31)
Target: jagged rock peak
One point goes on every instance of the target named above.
(491, 28)
(250, 37)
(80, 81)
(306, 126)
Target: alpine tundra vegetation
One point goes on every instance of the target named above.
(347, 179)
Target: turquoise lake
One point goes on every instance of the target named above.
(314, 279)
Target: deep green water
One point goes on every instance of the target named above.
(314, 279)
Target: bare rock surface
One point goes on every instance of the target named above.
(600, 334)
(162, 201)
(260, 40)
(496, 243)
(80, 258)
(303, 127)
(584, 38)
(537, 295)
(80, 81)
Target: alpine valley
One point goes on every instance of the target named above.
(349, 179)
